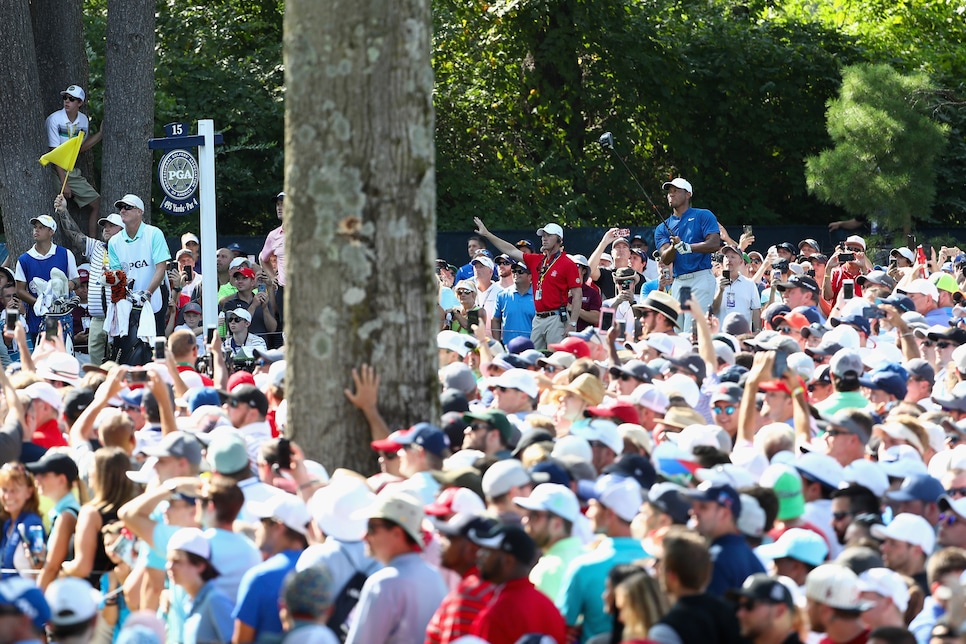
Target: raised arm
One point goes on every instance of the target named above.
(502, 245)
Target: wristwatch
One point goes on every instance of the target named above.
(572, 323)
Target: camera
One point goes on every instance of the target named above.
(781, 265)
(606, 140)
(626, 284)
(846, 257)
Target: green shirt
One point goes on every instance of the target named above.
(842, 400)
(548, 574)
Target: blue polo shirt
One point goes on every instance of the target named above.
(734, 561)
(515, 312)
(692, 227)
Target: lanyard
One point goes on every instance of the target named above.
(544, 267)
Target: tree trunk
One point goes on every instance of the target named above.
(359, 219)
(58, 28)
(128, 102)
(23, 181)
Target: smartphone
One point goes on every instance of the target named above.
(726, 275)
(666, 273)
(872, 313)
(50, 327)
(780, 365)
(251, 261)
(473, 317)
(210, 334)
(137, 375)
(624, 232)
(172, 265)
(12, 316)
(606, 318)
(848, 289)
(159, 343)
(846, 257)
(284, 454)
(684, 295)
(189, 273)
(261, 288)
(747, 229)
(622, 327)
(123, 549)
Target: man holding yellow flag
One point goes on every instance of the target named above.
(62, 126)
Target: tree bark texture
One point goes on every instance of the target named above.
(128, 102)
(23, 181)
(58, 28)
(359, 219)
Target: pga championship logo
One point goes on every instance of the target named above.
(178, 174)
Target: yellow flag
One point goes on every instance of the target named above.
(65, 154)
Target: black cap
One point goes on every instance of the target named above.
(761, 587)
(634, 466)
(666, 498)
(510, 539)
(55, 463)
(460, 525)
(806, 282)
(76, 400)
(248, 395)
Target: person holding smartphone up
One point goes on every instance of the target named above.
(736, 293)
(686, 242)
(844, 265)
(557, 292)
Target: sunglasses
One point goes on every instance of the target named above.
(519, 271)
(234, 319)
(948, 518)
(854, 249)
(125, 206)
(838, 516)
(729, 410)
(463, 291)
(832, 433)
(747, 604)
(388, 456)
(503, 263)
(956, 491)
(72, 99)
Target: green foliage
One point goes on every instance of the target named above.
(525, 88)
(883, 162)
(222, 60)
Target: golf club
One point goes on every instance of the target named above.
(607, 142)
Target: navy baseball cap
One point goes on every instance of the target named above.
(426, 435)
(723, 495)
(857, 321)
(919, 487)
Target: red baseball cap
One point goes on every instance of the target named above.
(775, 385)
(574, 346)
(794, 320)
(247, 272)
(625, 412)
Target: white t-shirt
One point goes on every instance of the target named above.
(138, 257)
(741, 296)
(60, 129)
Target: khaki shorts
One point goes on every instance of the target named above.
(81, 191)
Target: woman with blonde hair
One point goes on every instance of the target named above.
(112, 489)
(19, 511)
(640, 604)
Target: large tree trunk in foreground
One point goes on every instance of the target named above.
(23, 181)
(128, 102)
(359, 219)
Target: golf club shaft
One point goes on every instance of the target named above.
(646, 195)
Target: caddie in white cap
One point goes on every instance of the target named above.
(557, 292)
(686, 241)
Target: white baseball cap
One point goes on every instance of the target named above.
(920, 285)
(45, 391)
(130, 200)
(551, 497)
(521, 379)
(678, 182)
(190, 540)
(284, 508)
(453, 341)
(887, 583)
(836, 586)
(76, 91)
(45, 220)
(622, 496)
(649, 396)
(551, 229)
(908, 528)
(601, 430)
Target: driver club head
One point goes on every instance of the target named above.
(607, 140)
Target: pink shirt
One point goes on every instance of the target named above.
(275, 245)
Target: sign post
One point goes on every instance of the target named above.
(177, 168)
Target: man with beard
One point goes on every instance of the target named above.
(848, 503)
(766, 611)
(461, 606)
(834, 605)
(549, 515)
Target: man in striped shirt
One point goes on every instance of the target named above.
(96, 252)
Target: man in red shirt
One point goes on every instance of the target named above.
(184, 348)
(557, 292)
(41, 415)
(836, 274)
(462, 605)
(506, 555)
